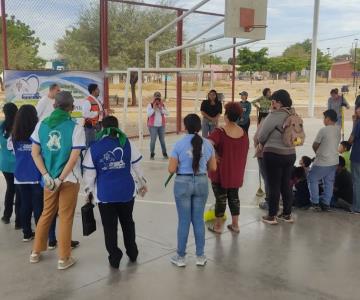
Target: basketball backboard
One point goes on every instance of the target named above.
(245, 19)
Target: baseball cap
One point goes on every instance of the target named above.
(331, 114)
(64, 100)
(243, 93)
(157, 95)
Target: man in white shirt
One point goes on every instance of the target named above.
(93, 113)
(156, 113)
(45, 106)
(323, 169)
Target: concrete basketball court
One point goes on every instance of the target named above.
(315, 258)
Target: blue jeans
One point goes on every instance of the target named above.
(355, 173)
(154, 133)
(32, 196)
(207, 127)
(327, 176)
(191, 193)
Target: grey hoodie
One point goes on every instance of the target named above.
(270, 136)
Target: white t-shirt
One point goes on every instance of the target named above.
(45, 107)
(78, 142)
(329, 138)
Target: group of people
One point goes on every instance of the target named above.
(44, 154)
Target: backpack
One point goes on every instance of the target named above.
(292, 131)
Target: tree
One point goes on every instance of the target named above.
(213, 60)
(252, 61)
(276, 65)
(128, 27)
(23, 46)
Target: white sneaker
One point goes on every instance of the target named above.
(34, 257)
(201, 260)
(65, 264)
(178, 260)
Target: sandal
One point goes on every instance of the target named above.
(211, 228)
(233, 229)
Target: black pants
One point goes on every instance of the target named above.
(246, 127)
(221, 195)
(262, 116)
(9, 199)
(110, 213)
(279, 168)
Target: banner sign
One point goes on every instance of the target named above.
(27, 87)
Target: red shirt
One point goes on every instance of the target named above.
(233, 155)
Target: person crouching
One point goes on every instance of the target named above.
(108, 168)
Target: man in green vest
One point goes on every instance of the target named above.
(57, 143)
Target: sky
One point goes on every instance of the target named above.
(288, 21)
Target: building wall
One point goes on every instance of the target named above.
(342, 70)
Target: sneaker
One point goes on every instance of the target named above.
(178, 260)
(264, 205)
(34, 257)
(5, 220)
(18, 227)
(201, 260)
(286, 218)
(165, 156)
(152, 156)
(315, 208)
(270, 220)
(74, 244)
(52, 245)
(324, 207)
(28, 238)
(65, 264)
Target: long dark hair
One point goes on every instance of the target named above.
(217, 97)
(10, 110)
(192, 124)
(25, 123)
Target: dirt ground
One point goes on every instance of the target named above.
(299, 92)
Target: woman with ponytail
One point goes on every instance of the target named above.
(190, 159)
(108, 168)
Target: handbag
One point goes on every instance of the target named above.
(88, 219)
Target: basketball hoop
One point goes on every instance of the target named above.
(247, 19)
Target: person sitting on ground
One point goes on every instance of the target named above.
(343, 187)
(211, 110)
(300, 188)
(263, 104)
(57, 143)
(305, 162)
(325, 147)
(244, 121)
(336, 103)
(156, 113)
(231, 145)
(108, 168)
(344, 150)
(191, 158)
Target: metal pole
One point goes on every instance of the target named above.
(233, 72)
(4, 36)
(140, 116)
(313, 60)
(173, 22)
(355, 69)
(198, 89)
(126, 101)
(179, 41)
(104, 54)
(166, 85)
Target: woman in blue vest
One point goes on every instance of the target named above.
(191, 158)
(7, 166)
(27, 176)
(108, 168)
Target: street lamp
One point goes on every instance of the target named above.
(355, 60)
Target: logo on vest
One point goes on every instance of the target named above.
(54, 140)
(113, 160)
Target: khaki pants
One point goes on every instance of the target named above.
(63, 202)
